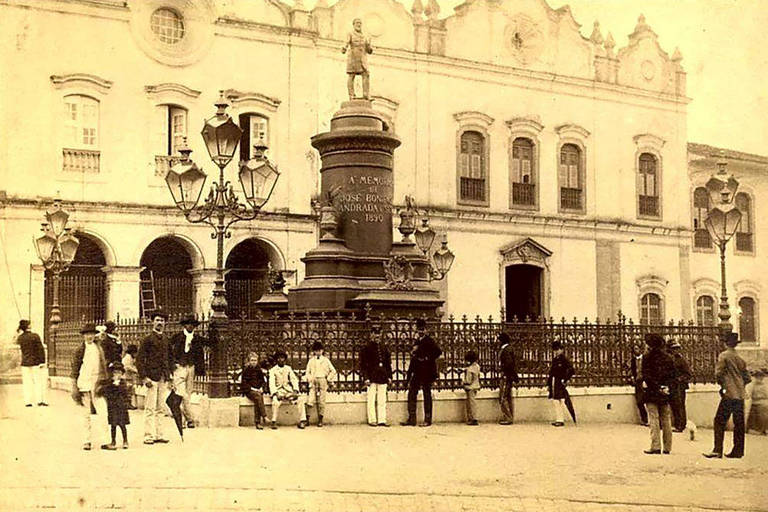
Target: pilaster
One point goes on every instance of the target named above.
(122, 291)
(203, 282)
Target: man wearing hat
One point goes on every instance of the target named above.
(89, 375)
(679, 386)
(422, 372)
(731, 373)
(113, 347)
(376, 370)
(187, 361)
(153, 362)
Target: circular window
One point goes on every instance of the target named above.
(167, 25)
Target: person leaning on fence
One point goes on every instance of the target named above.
(731, 373)
(113, 347)
(320, 375)
(252, 383)
(509, 377)
(188, 360)
(89, 376)
(376, 370)
(560, 372)
(131, 373)
(422, 373)
(34, 376)
(471, 383)
(154, 364)
(284, 386)
(658, 376)
(636, 370)
(679, 386)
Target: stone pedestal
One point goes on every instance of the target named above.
(357, 265)
(122, 291)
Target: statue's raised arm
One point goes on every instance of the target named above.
(359, 47)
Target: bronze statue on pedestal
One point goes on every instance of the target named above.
(359, 47)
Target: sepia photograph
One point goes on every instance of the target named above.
(383, 255)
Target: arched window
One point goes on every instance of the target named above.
(748, 319)
(522, 173)
(255, 129)
(648, 186)
(744, 233)
(701, 238)
(171, 126)
(651, 311)
(705, 310)
(571, 178)
(473, 171)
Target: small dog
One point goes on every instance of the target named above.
(690, 427)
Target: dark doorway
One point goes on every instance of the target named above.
(523, 285)
(245, 283)
(166, 265)
(82, 288)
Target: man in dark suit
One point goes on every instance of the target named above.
(154, 365)
(508, 367)
(422, 372)
(376, 369)
(187, 360)
(113, 347)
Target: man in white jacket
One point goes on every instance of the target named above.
(284, 386)
(320, 374)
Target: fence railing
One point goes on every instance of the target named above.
(601, 352)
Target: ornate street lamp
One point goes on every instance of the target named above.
(56, 250)
(722, 221)
(442, 259)
(221, 207)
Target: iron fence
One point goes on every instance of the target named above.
(601, 352)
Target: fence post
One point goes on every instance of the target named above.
(219, 333)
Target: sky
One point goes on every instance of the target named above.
(724, 44)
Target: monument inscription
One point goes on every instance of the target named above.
(369, 196)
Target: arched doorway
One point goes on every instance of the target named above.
(245, 281)
(165, 281)
(82, 289)
(524, 285)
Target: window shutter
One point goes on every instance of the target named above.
(563, 175)
(516, 172)
(160, 143)
(245, 139)
(477, 171)
(178, 127)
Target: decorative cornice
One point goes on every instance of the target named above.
(525, 124)
(78, 80)
(472, 117)
(651, 282)
(649, 140)
(572, 130)
(242, 98)
(705, 284)
(527, 248)
(153, 90)
(747, 287)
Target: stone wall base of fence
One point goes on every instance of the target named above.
(592, 404)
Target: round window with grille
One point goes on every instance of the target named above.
(167, 25)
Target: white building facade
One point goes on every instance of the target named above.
(558, 165)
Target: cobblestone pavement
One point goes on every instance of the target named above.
(528, 467)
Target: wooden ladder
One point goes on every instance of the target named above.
(147, 292)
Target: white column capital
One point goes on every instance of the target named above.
(202, 275)
(122, 274)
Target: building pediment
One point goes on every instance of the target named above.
(526, 250)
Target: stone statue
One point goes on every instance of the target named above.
(357, 62)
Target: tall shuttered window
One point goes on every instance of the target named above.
(472, 167)
(522, 175)
(571, 178)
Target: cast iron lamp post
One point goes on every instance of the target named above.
(221, 208)
(441, 260)
(56, 250)
(722, 222)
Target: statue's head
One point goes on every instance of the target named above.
(357, 23)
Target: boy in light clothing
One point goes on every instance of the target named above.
(284, 386)
(471, 386)
(319, 374)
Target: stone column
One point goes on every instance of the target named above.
(203, 281)
(122, 292)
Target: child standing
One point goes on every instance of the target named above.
(471, 386)
(252, 386)
(320, 372)
(131, 373)
(117, 397)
